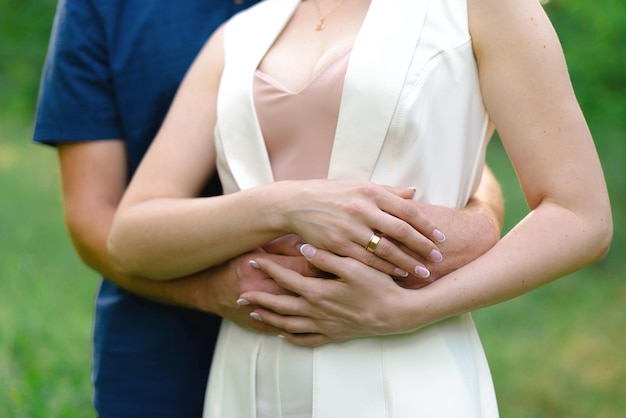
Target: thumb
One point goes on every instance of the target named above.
(285, 245)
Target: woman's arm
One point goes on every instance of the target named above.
(529, 96)
(162, 230)
(527, 91)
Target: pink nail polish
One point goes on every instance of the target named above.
(438, 235)
(422, 272)
(242, 302)
(307, 250)
(399, 272)
(436, 256)
(256, 316)
(254, 264)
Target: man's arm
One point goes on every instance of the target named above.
(93, 176)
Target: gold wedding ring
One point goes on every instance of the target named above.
(372, 244)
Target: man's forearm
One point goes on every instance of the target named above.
(90, 240)
(488, 198)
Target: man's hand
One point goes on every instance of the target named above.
(226, 282)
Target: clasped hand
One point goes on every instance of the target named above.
(377, 225)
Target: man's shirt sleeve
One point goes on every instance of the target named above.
(76, 98)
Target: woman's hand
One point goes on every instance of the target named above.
(363, 221)
(361, 302)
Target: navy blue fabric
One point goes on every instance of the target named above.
(112, 69)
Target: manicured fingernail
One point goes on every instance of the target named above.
(399, 272)
(438, 235)
(281, 336)
(436, 256)
(256, 316)
(307, 250)
(254, 264)
(242, 302)
(422, 272)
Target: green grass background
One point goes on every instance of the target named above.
(556, 352)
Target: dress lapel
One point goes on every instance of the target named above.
(380, 59)
(243, 144)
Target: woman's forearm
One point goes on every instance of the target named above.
(163, 238)
(169, 238)
(551, 242)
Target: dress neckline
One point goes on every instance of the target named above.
(280, 86)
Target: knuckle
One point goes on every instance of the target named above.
(315, 297)
(400, 230)
(366, 188)
(384, 249)
(334, 242)
(276, 307)
(355, 208)
(290, 328)
(411, 211)
(371, 258)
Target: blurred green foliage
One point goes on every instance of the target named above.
(555, 352)
(24, 30)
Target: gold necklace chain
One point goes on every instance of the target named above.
(321, 23)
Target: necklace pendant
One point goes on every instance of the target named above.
(321, 24)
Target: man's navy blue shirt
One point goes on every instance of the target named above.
(112, 70)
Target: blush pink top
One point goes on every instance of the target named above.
(299, 127)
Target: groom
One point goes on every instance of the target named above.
(111, 72)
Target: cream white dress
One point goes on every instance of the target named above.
(411, 113)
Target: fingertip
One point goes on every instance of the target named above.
(436, 256)
(399, 272)
(422, 272)
(439, 236)
(308, 251)
(254, 264)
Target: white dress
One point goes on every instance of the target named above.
(411, 114)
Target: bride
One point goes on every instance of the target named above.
(387, 92)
